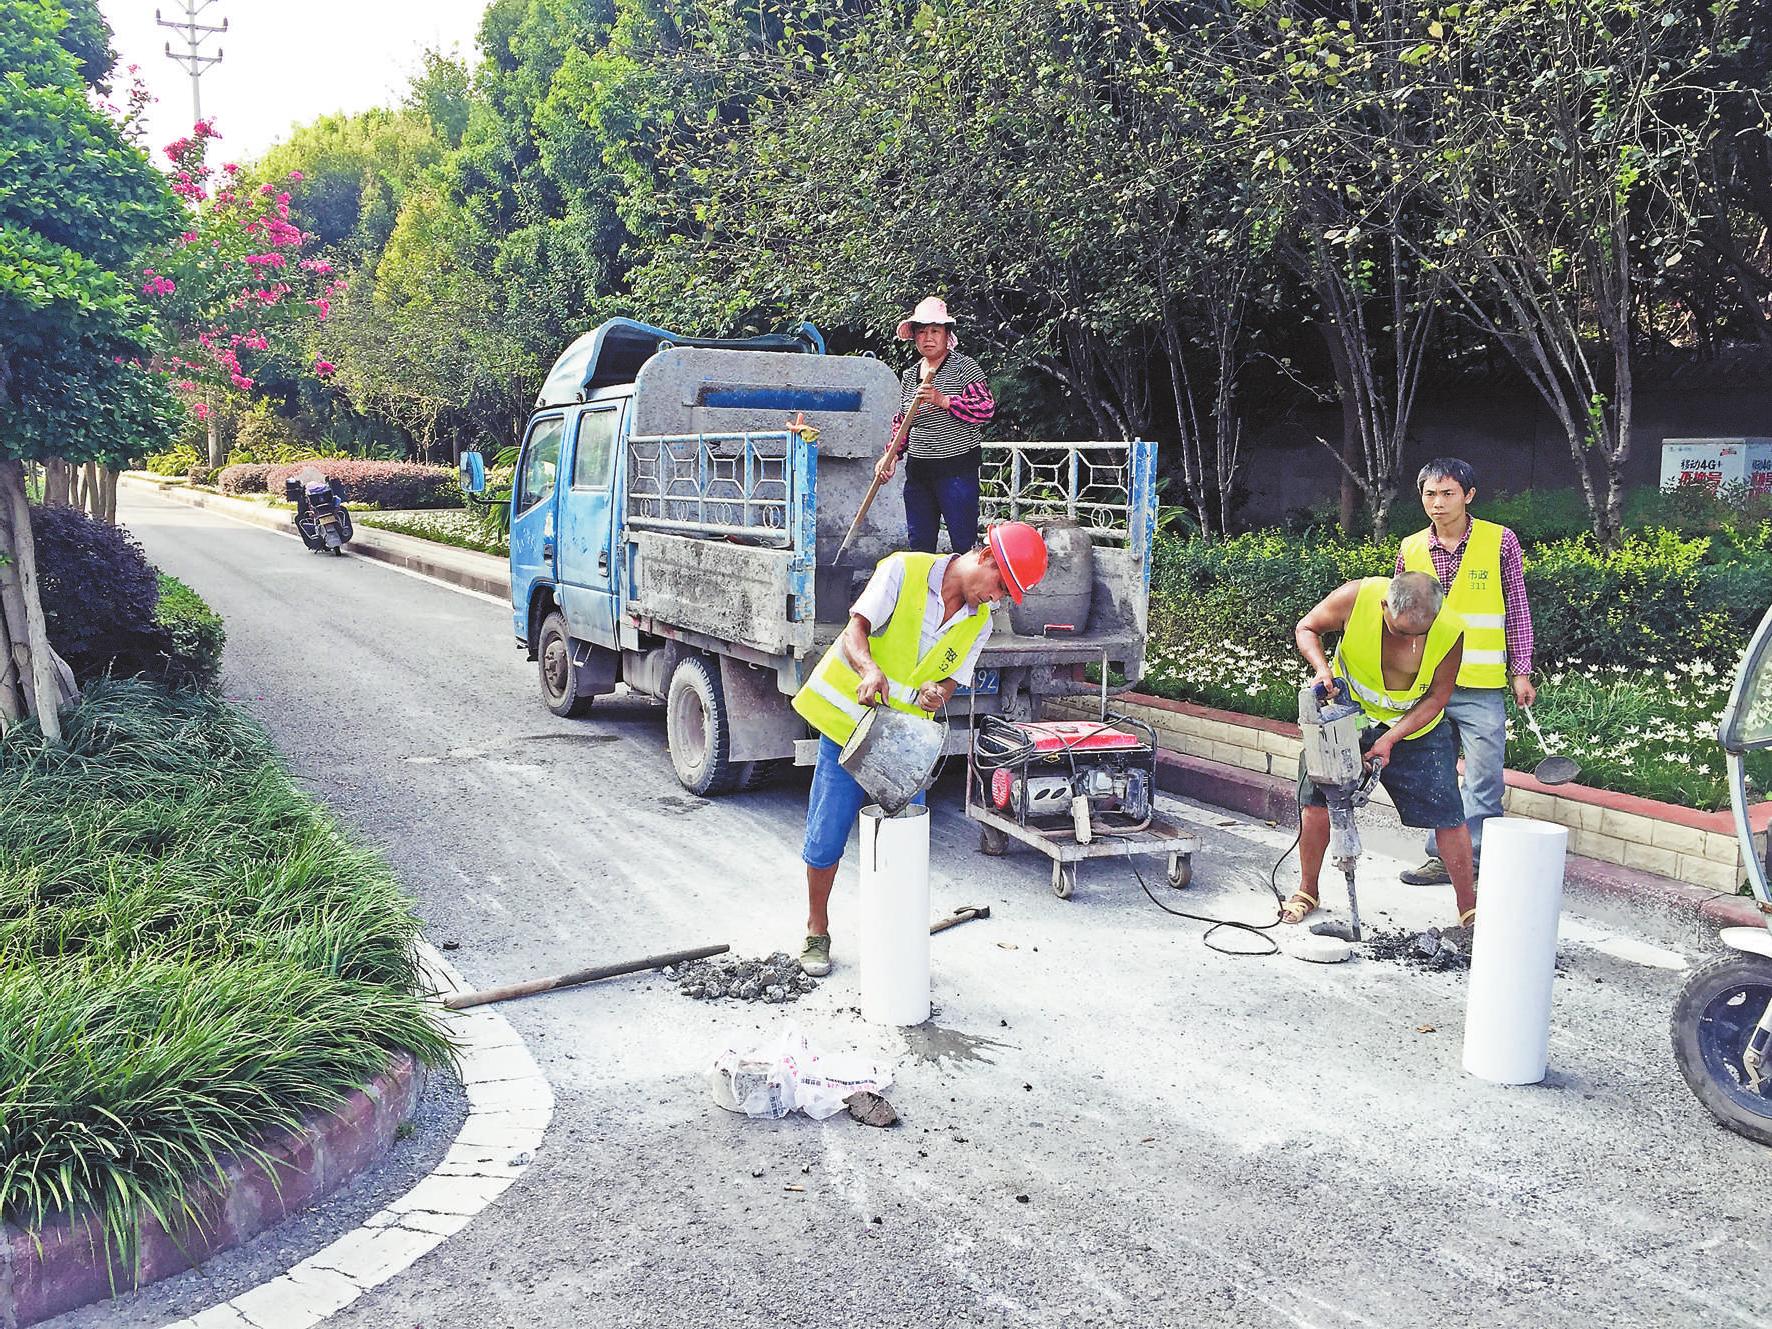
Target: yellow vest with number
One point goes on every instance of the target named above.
(827, 701)
(1475, 597)
(1360, 657)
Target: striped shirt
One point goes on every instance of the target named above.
(957, 430)
(1513, 589)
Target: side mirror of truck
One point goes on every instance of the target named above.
(473, 472)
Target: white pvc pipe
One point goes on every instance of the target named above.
(894, 945)
(1514, 955)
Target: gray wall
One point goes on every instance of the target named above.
(1509, 437)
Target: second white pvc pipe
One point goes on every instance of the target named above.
(894, 932)
(1514, 955)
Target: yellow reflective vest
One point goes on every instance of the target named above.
(1475, 596)
(1359, 657)
(827, 699)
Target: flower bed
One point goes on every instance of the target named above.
(458, 527)
(1636, 646)
(191, 954)
(1649, 730)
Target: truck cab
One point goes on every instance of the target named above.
(675, 521)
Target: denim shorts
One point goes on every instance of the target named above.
(831, 813)
(1421, 777)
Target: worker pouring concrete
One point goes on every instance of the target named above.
(1400, 653)
(913, 637)
(946, 401)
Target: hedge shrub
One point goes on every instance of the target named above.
(99, 592)
(109, 612)
(246, 477)
(191, 637)
(1661, 594)
(386, 484)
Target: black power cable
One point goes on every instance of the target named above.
(1260, 930)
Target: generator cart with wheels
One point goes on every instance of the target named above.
(1072, 789)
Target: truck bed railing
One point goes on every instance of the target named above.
(1098, 485)
(742, 486)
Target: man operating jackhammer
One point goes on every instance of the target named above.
(1399, 654)
(913, 638)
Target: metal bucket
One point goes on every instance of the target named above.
(892, 756)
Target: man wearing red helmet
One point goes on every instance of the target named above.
(914, 636)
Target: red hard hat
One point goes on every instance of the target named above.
(1020, 556)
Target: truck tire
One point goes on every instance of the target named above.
(564, 689)
(756, 774)
(699, 728)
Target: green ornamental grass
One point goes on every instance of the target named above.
(192, 953)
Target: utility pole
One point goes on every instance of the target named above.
(194, 34)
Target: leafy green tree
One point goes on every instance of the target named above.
(1570, 185)
(79, 205)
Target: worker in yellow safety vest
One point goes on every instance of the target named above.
(1480, 567)
(1400, 652)
(913, 637)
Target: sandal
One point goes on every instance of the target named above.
(1298, 908)
(1468, 919)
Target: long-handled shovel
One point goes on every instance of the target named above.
(460, 1001)
(1553, 769)
(903, 432)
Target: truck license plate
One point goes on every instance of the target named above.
(984, 682)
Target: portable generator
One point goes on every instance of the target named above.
(1096, 775)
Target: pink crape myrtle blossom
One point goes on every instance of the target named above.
(235, 288)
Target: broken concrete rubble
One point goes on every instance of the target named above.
(774, 979)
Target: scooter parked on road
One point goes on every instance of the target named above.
(1722, 1022)
(320, 514)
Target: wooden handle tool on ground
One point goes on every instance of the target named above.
(959, 916)
(899, 436)
(462, 1000)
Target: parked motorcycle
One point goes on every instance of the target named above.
(320, 514)
(1722, 1022)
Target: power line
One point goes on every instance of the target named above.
(193, 59)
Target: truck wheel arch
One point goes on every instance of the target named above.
(541, 604)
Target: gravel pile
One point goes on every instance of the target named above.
(775, 978)
(1435, 950)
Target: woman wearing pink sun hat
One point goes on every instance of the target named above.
(949, 401)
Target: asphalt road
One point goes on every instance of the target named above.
(1105, 1123)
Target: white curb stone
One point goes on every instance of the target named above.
(509, 1107)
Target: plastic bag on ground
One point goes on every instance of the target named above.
(790, 1075)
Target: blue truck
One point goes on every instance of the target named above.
(674, 531)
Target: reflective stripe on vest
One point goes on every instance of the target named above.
(828, 703)
(1359, 658)
(1475, 595)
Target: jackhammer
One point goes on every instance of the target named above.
(1330, 726)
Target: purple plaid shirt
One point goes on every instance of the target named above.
(1513, 590)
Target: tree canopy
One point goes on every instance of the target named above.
(1179, 219)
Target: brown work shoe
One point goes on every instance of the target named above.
(1431, 873)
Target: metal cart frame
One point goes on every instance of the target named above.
(1060, 844)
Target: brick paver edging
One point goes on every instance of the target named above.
(65, 1265)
